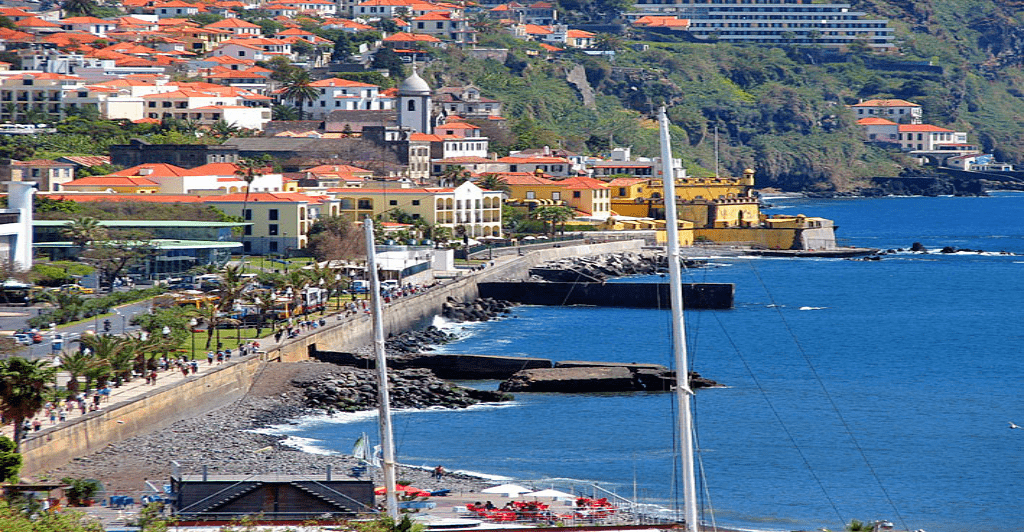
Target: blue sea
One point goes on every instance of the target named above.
(855, 389)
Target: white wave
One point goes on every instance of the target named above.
(813, 308)
(347, 418)
(306, 445)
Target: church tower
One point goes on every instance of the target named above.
(414, 104)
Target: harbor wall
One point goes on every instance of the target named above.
(163, 406)
(635, 295)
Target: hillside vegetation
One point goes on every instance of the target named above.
(781, 111)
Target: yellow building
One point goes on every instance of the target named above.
(587, 196)
(476, 210)
(720, 209)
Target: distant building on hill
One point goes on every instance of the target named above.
(772, 22)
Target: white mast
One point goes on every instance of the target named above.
(675, 277)
(383, 397)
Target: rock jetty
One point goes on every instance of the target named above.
(600, 268)
(583, 377)
(354, 389)
(482, 309)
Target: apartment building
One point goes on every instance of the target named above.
(475, 210)
(773, 22)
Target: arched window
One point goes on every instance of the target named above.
(412, 105)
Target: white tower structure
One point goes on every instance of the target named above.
(16, 224)
(414, 105)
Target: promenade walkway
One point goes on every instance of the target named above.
(136, 387)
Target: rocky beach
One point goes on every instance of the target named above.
(223, 440)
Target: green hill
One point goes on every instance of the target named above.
(781, 111)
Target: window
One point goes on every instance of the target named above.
(392, 202)
(365, 204)
(273, 247)
(247, 246)
(412, 105)
(248, 214)
(576, 194)
(272, 214)
(415, 202)
(622, 191)
(556, 195)
(248, 230)
(272, 229)
(531, 194)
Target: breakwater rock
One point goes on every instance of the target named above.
(415, 341)
(600, 268)
(588, 377)
(482, 309)
(354, 389)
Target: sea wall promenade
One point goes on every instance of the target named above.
(154, 409)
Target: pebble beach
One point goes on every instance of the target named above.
(223, 440)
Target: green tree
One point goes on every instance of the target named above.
(117, 352)
(77, 364)
(552, 215)
(24, 385)
(113, 257)
(284, 112)
(454, 175)
(335, 238)
(249, 169)
(298, 89)
(493, 182)
(223, 130)
(83, 231)
(79, 8)
(10, 460)
(387, 58)
(16, 520)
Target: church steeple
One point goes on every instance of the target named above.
(414, 103)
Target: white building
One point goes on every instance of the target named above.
(926, 137)
(880, 129)
(341, 94)
(414, 103)
(900, 111)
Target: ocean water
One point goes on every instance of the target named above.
(855, 389)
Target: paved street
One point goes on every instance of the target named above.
(13, 318)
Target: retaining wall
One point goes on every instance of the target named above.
(163, 406)
(149, 412)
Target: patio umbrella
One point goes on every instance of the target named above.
(509, 490)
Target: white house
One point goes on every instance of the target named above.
(926, 137)
(900, 111)
(878, 129)
(93, 25)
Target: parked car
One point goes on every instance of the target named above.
(22, 339)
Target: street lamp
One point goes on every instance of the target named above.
(192, 328)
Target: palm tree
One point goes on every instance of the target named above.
(77, 364)
(24, 385)
(84, 230)
(493, 182)
(223, 130)
(454, 175)
(117, 351)
(298, 89)
(85, 8)
(552, 215)
(249, 168)
(210, 313)
(284, 112)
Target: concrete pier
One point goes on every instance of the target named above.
(636, 295)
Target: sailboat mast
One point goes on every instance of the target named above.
(675, 275)
(383, 396)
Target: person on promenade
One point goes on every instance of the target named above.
(209, 358)
(152, 377)
(439, 472)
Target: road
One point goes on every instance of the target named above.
(13, 318)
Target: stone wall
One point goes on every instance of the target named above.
(152, 411)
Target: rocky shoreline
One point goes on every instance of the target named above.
(225, 442)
